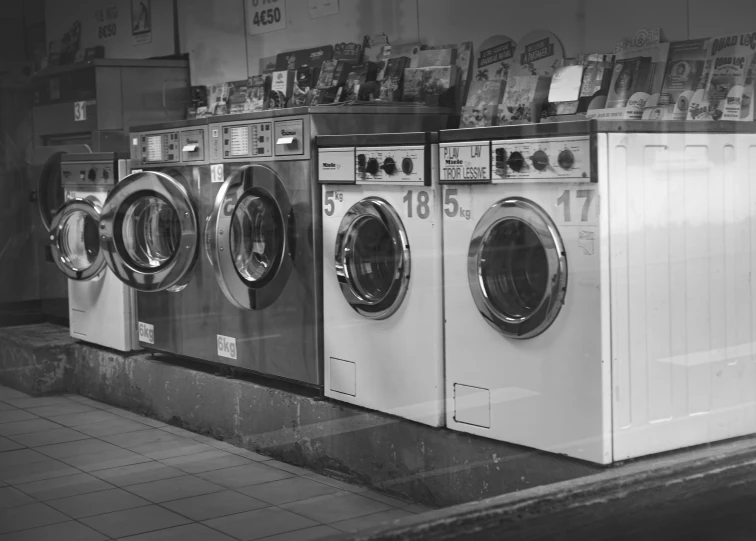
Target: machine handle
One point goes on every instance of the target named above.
(207, 241)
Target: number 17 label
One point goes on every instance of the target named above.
(576, 206)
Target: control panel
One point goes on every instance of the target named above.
(247, 140)
(542, 159)
(160, 148)
(93, 174)
(400, 165)
(260, 140)
(187, 145)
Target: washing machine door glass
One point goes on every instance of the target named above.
(74, 241)
(373, 258)
(248, 237)
(148, 231)
(517, 268)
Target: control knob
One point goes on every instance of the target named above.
(501, 158)
(372, 166)
(105, 174)
(540, 160)
(92, 175)
(407, 166)
(516, 162)
(566, 159)
(389, 166)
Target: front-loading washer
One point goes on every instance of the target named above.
(101, 308)
(382, 275)
(597, 286)
(264, 235)
(150, 233)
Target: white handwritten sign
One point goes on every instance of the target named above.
(265, 16)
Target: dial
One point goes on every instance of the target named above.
(407, 166)
(361, 160)
(540, 160)
(389, 166)
(516, 162)
(92, 175)
(372, 167)
(566, 159)
(105, 174)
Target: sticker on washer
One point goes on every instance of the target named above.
(418, 204)
(458, 203)
(226, 347)
(465, 161)
(216, 172)
(146, 333)
(576, 206)
(333, 203)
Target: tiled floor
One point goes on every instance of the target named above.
(77, 470)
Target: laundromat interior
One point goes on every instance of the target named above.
(377, 269)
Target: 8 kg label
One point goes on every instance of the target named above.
(146, 333)
(226, 347)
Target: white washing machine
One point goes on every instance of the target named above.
(382, 278)
(600, 335)
(101, 308)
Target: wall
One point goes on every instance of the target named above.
(119, 42)
(213, 32)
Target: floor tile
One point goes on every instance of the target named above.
(179, 432)
(6, 393)
(137, 474)
(370, 521)
(74, 448)
(49, 437)
(33, 515)
(27, 427)
(62, 487)
(13, 416)
(20, 457)
(188, 532)
(244, 476)
(144, 436)
(164, 449)
(377, 496)
(207, 461)
(417, 508)
(134, 417)
(176, 488)
(36, 402)
(260, 523)
(135, 521)
(308, 534)
(60, 409)
(86, 418)
(333, 482)
(9, 445)
(218, 504)
(11, 497)
(109, 428)
(288, 490)
(246, 453)
(296, 470)
(6, 407)
(36, 471)
(104, 460)
(63, 531)
(87, 401)
(336, 507)
(106, 501)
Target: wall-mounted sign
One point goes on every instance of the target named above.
(265, 16)
(141, 21)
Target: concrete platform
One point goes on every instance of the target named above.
(429, 466)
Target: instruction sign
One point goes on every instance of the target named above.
(465, 161)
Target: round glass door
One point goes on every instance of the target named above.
(248, 237)
(148, 232)
(517, 268)
(373, 258)
(74, 240)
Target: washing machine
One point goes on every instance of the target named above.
(597, 293)
(150, 235)
(382, 277)
(101, 308)
(264, 235)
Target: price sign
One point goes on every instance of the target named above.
(265, 16)
(80, 111)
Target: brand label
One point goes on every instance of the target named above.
(146, 333)
(336, 165)
(286, 132)
(465, 161)
(226, 347)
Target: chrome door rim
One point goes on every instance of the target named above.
(175, 273)
(392, 300)
(242, 293)
(92, 209)
(535, 323)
